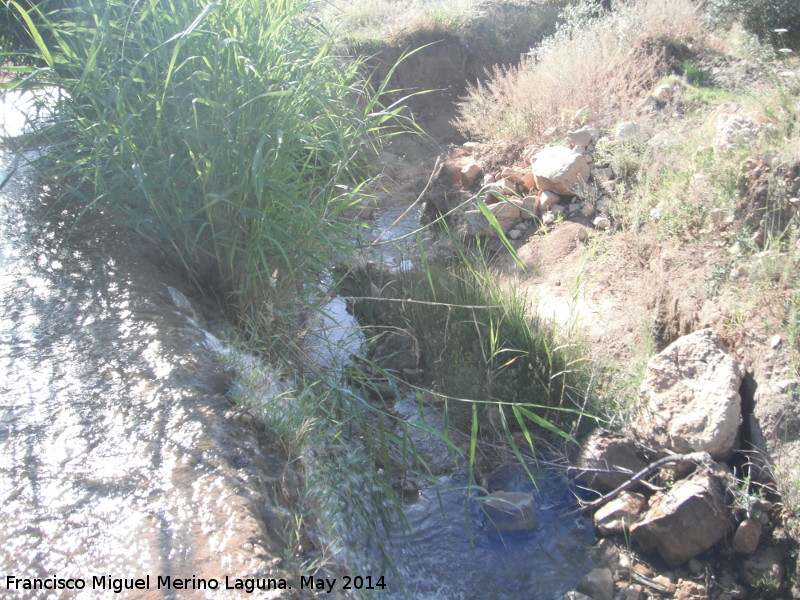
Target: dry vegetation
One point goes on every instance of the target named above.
(601, 63)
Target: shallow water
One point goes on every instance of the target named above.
(119, 453)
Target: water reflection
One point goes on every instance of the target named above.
(117, 453)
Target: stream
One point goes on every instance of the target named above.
(122, 457)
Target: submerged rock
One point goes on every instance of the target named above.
(598, 584)
(511, 511)
(684, 520)
(689, 400)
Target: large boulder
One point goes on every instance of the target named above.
(609, 460)
(510, 511)
(685, 520)
(689, 400)
(560, 170)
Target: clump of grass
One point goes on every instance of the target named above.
(497, 368)
(603, 62)
(230, 131)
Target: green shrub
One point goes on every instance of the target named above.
(766, 19)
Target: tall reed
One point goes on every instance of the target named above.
(231, 131)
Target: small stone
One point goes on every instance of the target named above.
(583, 115)
(588, 210)
(557, 209)
(514, 234)
(745, 540)
(511, 511)
(628, 130)
(470, 173)
(548, 199)
(583, 234)
(487, 179)
(574, 207)
(530, 206)
(548, 218)
(603, 174)
(597, 584)
(528, 181)
(630, 592)
(718, 216)
(775, 341)
(602, 223)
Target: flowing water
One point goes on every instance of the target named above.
(123, 461)
(119, 451)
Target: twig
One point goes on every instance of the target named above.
(413, 204)
(696, 457)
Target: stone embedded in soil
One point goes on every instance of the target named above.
(470, 173)
(617, 515)
(745, 540)
(618, 454)
(684, 520)
(689, 400)
(511, 511)
(598, 584)
(559, 170)
(548, 199)
(602, 223)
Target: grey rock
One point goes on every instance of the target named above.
(510, 511)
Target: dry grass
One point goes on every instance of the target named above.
(604, 63)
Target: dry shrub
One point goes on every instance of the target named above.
(605, 63)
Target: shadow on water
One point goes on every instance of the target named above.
(119, 454)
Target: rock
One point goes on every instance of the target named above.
(684, 520)
(548, 218)
(664, 93)
(775, 341)
(603, 174)
(745, 540)
(514, 234)
(487, 179)
(528, 181)
(495, 192)
(574, 207)
(510, 511)
(552, 133)
(574, 595)
(617, 515)
(583, 115)
(630, 592)
(764, 569)
(506, 213)
(598, 584)
(689, 400)
(608, 451)
(548, 199)
(397, 351)
(583, 136)
(588, 210)
(515, 176)
(602, 223)
(559, 169)
(628, 130)
(583, 234)
(530, 204)
(734, 130)
(470, 173)
(557, 209)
